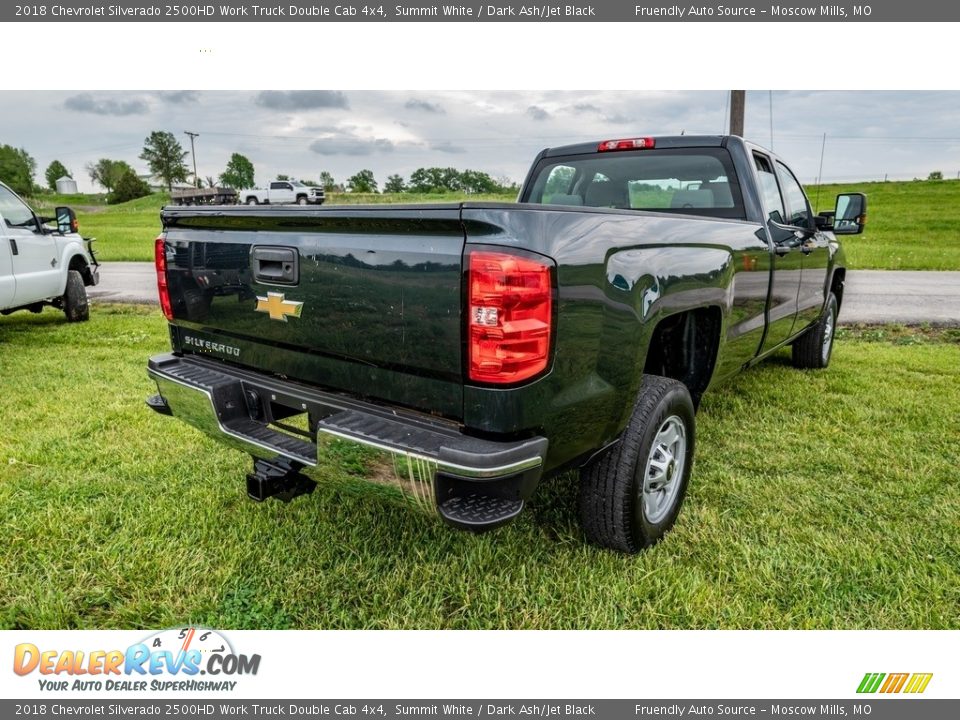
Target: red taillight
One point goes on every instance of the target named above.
(644, 143)
(160, 259)
(510, 319)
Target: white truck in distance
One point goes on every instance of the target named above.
(41, 265)
(283, 192)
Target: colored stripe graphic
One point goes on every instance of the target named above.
(918, 682)
(894, 683)
(870, 682)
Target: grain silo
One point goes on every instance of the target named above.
(67, 186)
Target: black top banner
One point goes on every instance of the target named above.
(492, 11)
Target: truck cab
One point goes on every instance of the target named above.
(40, 265)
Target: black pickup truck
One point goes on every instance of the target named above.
(493, 345)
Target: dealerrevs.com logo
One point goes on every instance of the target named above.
(168, 660)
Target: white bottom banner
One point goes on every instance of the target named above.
(203, 662)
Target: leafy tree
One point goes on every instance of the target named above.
(284, 177)
(327, 181)
(425, 180)
(129, 187)
(474, 181)
(935, 175)
(54, 172)
(211, 181)
(107, 173)
(239, 173)
(394, 184)
(506, 185)
(164, 155)
(362, 182)
(17, 169)
(441, 180)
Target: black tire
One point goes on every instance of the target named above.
(302, 200)
(812, 350)
(613, 509)
(251, 201)
(75, 305)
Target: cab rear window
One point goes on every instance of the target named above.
(693, 181)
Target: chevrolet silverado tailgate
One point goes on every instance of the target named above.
(346, 298)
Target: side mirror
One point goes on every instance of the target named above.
(851, 214)
(67, 221)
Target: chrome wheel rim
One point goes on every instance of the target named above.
(827, 336)
(664, 469)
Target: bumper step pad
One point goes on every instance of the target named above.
(479, 512)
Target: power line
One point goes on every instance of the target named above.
(771, 118)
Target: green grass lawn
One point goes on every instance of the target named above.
(912, 225)
(819, 500)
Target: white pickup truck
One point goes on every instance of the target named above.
(42, 265)
(283, 192)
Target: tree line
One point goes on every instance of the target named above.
(166, 160)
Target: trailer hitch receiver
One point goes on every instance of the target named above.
(279, 478)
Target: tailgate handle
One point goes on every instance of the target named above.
(276, 265)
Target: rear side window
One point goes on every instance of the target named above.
(694, 181)
(797, 208)
(769, 188)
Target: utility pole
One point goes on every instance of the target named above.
(193, 154)
(738, 102)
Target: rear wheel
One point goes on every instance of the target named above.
(251, 201)
(75, 305)
(631, 496)
(813, 349)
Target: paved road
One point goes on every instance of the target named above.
(903, 296)
(132, 282)
(871, 296)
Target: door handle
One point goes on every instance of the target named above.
(13, 247)
(276, 265)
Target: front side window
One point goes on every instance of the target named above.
(15, 212)
(797, 206)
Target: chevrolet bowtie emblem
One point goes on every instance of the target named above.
(277, 307)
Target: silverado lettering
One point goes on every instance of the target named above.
(492, 346)
(211, 346)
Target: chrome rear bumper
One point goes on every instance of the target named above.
(441, 466)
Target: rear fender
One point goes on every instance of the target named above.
(646, 285)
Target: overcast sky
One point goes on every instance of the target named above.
(300, 133)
